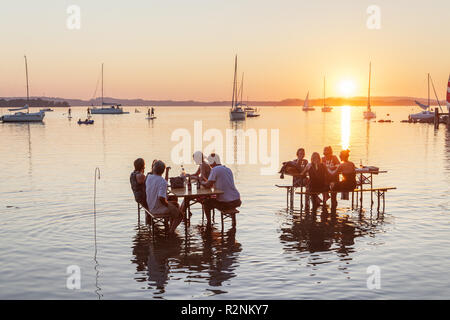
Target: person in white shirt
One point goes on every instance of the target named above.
(156, 191)
(222, 178)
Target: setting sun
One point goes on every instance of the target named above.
(347, 88)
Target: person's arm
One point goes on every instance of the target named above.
(306, 169)
(162, 194)
(164, 201)
(196, 174)
(336, 171)
(211, 179)
(140, 178)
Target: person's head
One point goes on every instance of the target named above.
(214, 159)
(139, 164)
(327, 151)
(198, 157)
(344, 155)
(315, 158)
(300, 153)
(159, 167)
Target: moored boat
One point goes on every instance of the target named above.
(111, 109)
(426, 115)
(369, 114)
(87, 121)
(325, 108)
(24, 116)
(237, 113)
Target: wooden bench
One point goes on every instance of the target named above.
(229, 213)
(380, 192)
(290, 190)
(156, 218)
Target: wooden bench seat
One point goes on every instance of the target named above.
(380, 193)
(156, 218)
(229, 213)
(356, 190)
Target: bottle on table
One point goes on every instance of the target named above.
(189, 184)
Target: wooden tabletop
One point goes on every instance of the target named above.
(183, 192)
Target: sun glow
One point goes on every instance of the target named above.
(345, 126)
(347, 88)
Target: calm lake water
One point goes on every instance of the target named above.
(47, 212)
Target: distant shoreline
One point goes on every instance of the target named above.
(49, 102)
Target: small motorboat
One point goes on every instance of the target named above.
(47, 110)
(87, 121)
(251, 112)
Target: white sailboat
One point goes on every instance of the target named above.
(306, 106)
(112, 109)
(426, 114)
(24, 116)
(325, 108)
(369, 114)
(236, 112)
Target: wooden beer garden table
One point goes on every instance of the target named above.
(191, 197)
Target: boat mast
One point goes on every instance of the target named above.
(26, 76)
(324, 92)
(368, 100)
(428, 90)
(242, 86)
(102, 86)
(234, 82)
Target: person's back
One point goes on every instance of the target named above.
(137, 188)
(224, 180)
(155, 187)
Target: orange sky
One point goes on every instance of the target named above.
(184, 50)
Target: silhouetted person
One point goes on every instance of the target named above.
(318, 175)
(222, 178)
(348, 171)
(156, 191)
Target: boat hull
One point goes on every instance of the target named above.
(369, 115)
(237, 115)
(107, 111)
(24, 117)
(425, 115)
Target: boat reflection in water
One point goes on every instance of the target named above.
(201, 256)
(327, 233)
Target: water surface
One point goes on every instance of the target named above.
(47, 219)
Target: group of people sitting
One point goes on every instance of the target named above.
(151, 190)
(322, 175)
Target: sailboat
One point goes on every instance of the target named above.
(24, 116)
(236, 111)
(426, 114)
(369, 114)
(325, 108)
(306, 106)
(111, 109)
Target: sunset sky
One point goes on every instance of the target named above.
(184, 49)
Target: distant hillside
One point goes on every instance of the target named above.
(32, 103)
(354, 101)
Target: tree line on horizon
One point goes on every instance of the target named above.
(33, 103)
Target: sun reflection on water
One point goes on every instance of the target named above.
(345, 126)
